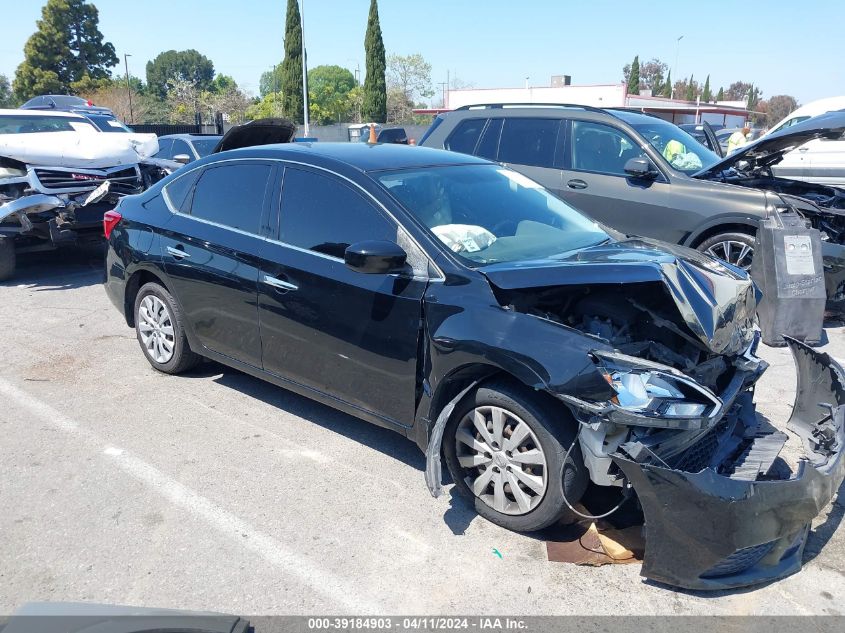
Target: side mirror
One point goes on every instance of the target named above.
(182, 158)
(375, 257)
(640, 168)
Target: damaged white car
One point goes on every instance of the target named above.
(50, 163)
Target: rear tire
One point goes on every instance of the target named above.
(735, 248)
(538, 473)
(7, 257)
(160, 329)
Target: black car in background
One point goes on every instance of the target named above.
(186, 148)
(459, 303)
(642, 175)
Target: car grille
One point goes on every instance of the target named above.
(123, 181)
(740, 560)
(699, 455)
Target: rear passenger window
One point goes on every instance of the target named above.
(465, 136)
(232, 195)
(178, 191)
(529, 142)
(488, 147)
(324, 215)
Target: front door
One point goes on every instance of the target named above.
(351, 335)
(210, 248)
(596, 183)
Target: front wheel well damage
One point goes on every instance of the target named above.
(135, 283)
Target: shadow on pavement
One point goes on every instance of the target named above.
(62, 269)
(370, 435)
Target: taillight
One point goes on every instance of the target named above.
(110, 220)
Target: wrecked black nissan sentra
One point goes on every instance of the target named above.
(459, 303)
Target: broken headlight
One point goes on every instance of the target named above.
(649, 394)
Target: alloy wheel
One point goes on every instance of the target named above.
(155, 326)
(503, 462)
(734, 252)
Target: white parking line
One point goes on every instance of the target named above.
(336, 589)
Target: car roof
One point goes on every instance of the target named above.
(550, 111)
(44, 113)
(361, 156)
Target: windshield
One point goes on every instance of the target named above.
(108, 123)
(32, 124)
(205, 145)
(488, 214)
(679, 149)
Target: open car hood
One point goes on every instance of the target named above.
(770, 148)
(258, 132)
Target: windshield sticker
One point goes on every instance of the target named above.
(114, 123)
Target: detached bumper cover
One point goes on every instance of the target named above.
(710, 531)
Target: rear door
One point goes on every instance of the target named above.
(211, 249)
(534, 147)
(352, 335)
(596, 183)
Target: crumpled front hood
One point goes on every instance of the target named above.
(716, 302)
(772, 147)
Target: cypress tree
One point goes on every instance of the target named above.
(634, 77)
(720, 96)
(706, 95)
(667, 87)
(374, 107)
(690, 89)
(291, 85)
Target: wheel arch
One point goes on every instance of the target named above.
(136, 280)
(477, 374)
(737, 226)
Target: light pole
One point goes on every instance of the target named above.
(304, 69)
(675, 69)
(128, 86)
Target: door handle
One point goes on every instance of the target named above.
(279, 284)
(178, 253)
(576, 183)
(803, 149)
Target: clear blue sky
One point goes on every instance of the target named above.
(784, 47)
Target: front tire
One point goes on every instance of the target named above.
(735, 248)
(159, 327)
(7, 257)
(504, 448)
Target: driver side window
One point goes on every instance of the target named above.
(601, 148)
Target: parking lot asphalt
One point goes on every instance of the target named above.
(216, 491)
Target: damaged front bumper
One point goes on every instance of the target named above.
(707, 531)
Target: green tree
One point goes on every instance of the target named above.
(6, 100)
(66, 47)
(291, 71)
(411, 74)
(706, 94)
(269, 107)
(190, 65)
(691, 89)
(270, 81)
(634, 77)
(223, 84)
(667, 87)
(374, 107)
(720, 96)
(738, 91)
(754, 95)
(328, 94)
(779, 107)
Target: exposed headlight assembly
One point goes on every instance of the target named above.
(649, 394)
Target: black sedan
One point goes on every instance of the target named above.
(459, 303)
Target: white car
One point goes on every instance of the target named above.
(821, 161)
